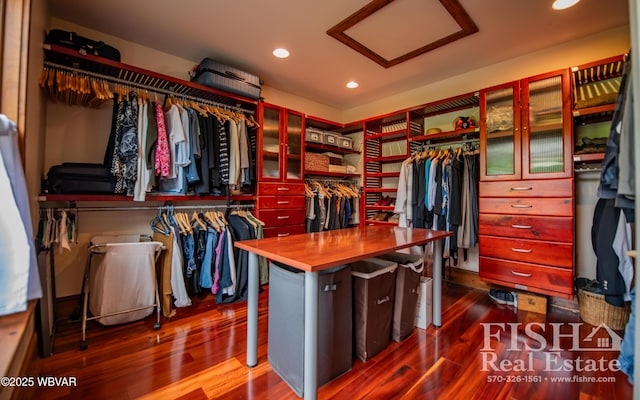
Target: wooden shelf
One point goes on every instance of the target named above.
(148, 197)
(380, 190)
(397, 135)
(389, 159)
(135, 75)
(607, 108)
(591, 157)
(327, 173)
(381, 208)
(451, 135)
(383, 174)
(333, 149)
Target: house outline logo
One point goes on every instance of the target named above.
(610, 343)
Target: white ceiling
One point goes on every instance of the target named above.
(243, 33)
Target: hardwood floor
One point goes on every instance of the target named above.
(200, 354)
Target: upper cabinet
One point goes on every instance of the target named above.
(526, 129)
(280, 144)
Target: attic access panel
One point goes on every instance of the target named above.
(452, 7)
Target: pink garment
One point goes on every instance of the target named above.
(163, 160)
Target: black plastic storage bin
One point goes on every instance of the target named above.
(286, 324)
(374, 283)
(410, 268)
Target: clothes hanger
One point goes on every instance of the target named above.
(211, 219)
(249, 214)
(196, 218)
(158, 224)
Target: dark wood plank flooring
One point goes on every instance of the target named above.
(200, 354)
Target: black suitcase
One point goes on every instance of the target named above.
(229, 79)
(82, 44)
(80, 178)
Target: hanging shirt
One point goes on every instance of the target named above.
(162, 153)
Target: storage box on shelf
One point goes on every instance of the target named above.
(343, 158)
(527, 190)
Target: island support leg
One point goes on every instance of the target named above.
(437, 283)
(252, 316)
(311, 335)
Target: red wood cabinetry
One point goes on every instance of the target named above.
(280, 194)
(526, 193)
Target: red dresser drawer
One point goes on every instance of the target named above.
(534, 251)
(280, 189)
(558, 207)
(525, 276)
(527, 188)
(282, 231)
(266, 202)
(282, 217)
(558, 229)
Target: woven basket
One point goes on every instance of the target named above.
(595, 311)
(316, 162)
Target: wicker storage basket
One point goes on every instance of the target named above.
(595, 311)
(316, 162)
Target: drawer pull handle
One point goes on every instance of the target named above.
(517, 250)
(521, 206)
(521, 226)
(283, 202)
(283, 234)
(283, 188)
(521, 188)
(283, 217)
(516, 273)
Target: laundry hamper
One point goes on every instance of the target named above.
(285, 345)
(408, 274)
(374, 284)
(595, 310)
(120, 282)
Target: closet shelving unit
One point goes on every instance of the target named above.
(135, 77)
(594, 95)
(311, 147)
(386, 147)
(442, 115)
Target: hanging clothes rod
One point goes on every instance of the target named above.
(440, 142)
(330, 181)
(143, 86)
(150, 208)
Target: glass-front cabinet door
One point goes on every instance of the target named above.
(547, 131)
(293, 156)
(271, 144)
(500, 133)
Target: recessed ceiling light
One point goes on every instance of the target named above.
(352, 85)
(281, 53)
(564, 4)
